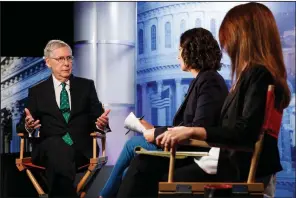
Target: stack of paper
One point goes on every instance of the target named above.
(133, 123)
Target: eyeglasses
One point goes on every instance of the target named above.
(62, 59)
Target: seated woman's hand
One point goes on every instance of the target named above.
(174, 136)
(149, 135)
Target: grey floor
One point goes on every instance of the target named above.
(98, 183)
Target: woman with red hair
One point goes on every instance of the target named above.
(250, 37)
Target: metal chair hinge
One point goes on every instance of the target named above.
(183, 188)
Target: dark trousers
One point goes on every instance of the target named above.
(144, 173)
(61, 162)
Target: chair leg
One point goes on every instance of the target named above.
(172, 165)
(83, 180)
(35, 183)
(83, 194)
(89, 183)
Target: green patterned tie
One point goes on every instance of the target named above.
(65, 109)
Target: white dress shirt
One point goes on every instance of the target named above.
(58, 88)
(209, 163)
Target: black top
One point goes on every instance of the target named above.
(241, 120)
(203, 102)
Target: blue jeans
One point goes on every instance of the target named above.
(127, 154)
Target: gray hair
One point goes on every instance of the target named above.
(54, 44)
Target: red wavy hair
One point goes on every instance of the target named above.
(250, 36)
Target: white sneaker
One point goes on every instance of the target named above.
(133, 123)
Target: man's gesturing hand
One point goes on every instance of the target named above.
(103, 120)
(30, 123)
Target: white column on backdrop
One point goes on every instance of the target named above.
(145, 100)
(105, 37)
(178, 96)
(161, 112)
(85, 38)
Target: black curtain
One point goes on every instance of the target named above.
(26, 27)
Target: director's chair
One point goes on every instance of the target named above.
(92, 168)
(250, 188)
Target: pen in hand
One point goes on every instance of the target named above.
(130, 130)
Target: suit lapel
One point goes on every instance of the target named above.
(74, 92)
(227, 103)
(231, 96)
(228, 100)
(52, 99)
(186, 97)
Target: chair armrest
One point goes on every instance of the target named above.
(98, 135)
(199, 143)
(21, 135)
(22, 143)
(179, 155)
(24, 135)
(27, 136)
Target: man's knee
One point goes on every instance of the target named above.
(66, 168)
(62, 161)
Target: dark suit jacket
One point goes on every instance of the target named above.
(242, 117)
(203, 102)
(85, 109)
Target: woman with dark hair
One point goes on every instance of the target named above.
(199, 54)
(250, 37)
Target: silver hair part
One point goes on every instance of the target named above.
(54, 44)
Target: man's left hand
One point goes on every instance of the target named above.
(103, 120)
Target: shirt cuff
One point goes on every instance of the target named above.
(106, 129)
(29, 130)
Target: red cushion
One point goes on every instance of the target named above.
(273, 117)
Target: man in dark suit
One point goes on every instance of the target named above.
(66, 109)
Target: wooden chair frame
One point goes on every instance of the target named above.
(95, 163)
(171, 188)
(254, 189)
